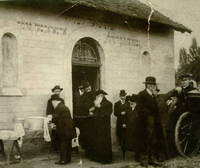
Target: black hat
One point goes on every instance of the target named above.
(133, 98)
(100, 91)
(128, 98)
(56, 87)
(185, 76)
(150, 80)
(55, 97)
(122, 93)
(85, 84)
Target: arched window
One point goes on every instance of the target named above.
(9, 61)
(145, 65)
(85, 53)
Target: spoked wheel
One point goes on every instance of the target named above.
(187, 133)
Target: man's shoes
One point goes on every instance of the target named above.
(61, 163)
(144, 163)
(155, 163)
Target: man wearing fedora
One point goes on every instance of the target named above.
(56, 90)
(61, 116)
(147, 110)
(119, 112)
(85, 103)
(100, 142)
(50, 109)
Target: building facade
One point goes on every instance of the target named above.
(42, 47)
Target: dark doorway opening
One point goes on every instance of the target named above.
(85, 73)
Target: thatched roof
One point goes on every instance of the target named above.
(133, 9)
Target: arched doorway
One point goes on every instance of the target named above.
(86, 64)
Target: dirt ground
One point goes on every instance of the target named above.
(46, 158)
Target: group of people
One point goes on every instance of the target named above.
(145, 122)
(92, 113)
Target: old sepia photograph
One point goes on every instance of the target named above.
(99, 83)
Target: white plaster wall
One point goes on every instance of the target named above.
(46, 60)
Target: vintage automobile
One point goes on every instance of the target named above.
(187, 129)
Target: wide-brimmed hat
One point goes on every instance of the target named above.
(85, 84)
(133, 98)
(150, 80)
(128, 97)
(185, 76)
(55, 97)
(122, 93)
(56, 87)
(100, 91)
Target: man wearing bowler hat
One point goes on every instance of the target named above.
(119, 112)
(147, 110)
(50, 109)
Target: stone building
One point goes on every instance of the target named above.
(50, 43)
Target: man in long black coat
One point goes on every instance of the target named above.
(101, 149)
(119, 112)
(85, 103)
(50, 109)
(148, 119)
(65, 129)
(131, 125)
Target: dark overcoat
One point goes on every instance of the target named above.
(131, 128)
(101, 149)
(147, 110)
(50, 107)
(64, 122)
(83, 121)
(164, 147)
(121, 119)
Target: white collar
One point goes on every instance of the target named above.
(185, 86)
(149, 91)
(80, 92)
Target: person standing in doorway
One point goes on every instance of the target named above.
(85, 103)
(76, 98)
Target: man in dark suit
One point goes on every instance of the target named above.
(50, 109)
(147, 110)
(119, 112)
(56, 90)
(186, 87)
(61, 116)
(85, 103)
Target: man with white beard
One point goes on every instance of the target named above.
(101, 149)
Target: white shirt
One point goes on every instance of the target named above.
(149, 92)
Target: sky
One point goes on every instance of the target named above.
(186, 12)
